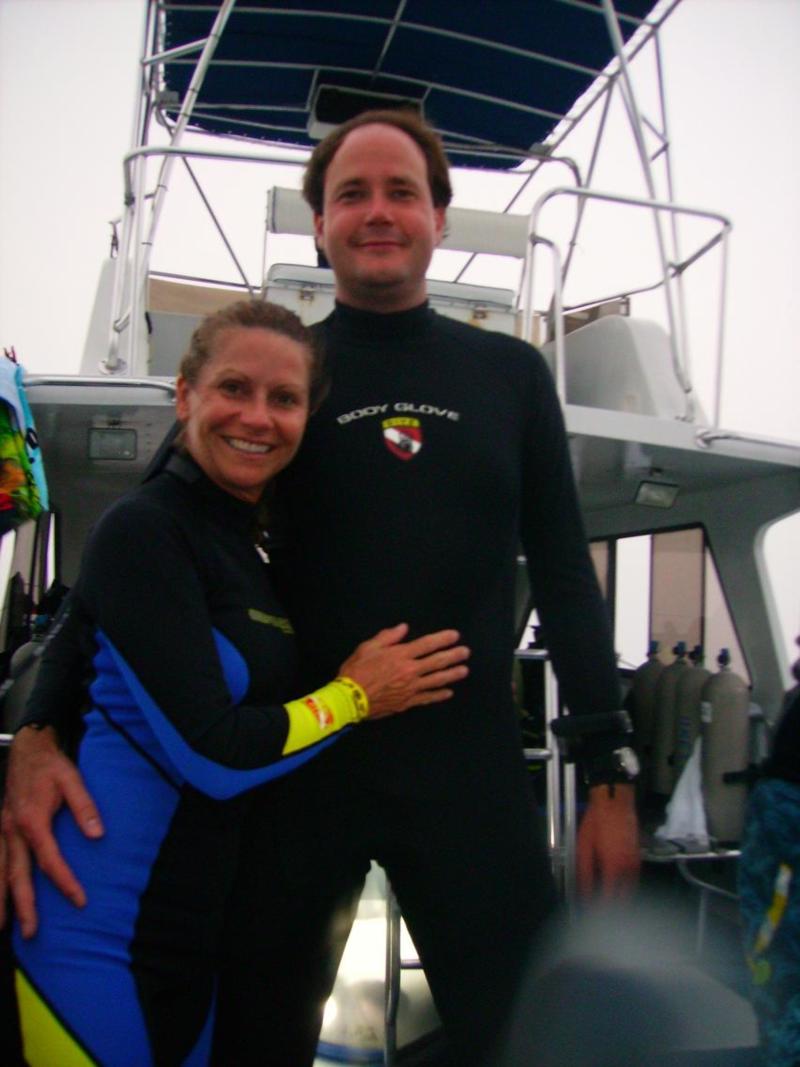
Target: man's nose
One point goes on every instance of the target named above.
(379, 208)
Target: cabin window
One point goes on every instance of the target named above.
(631, 599)
(664, 587)
(677, 589)
(601, 557)
(720, 632)
(782, 562)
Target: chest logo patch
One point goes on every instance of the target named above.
(402, 436)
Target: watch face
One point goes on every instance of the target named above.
(628, 761)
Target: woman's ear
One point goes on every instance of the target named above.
(182, 390)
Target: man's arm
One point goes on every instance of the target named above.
(40, 779)
(577, 633)
(608, 857)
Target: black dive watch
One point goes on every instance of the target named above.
(618, 766)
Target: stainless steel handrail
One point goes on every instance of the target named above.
(708, 437)
(668, 271)
(73, 381)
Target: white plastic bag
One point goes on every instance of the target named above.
(685, 823)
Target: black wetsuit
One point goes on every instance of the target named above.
(194, 657)
(784, 758)
(439, 450)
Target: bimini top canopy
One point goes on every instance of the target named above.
(501, 73)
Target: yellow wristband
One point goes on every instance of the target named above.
(357, 695)
(340, 703)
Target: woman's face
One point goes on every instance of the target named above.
(245, 415)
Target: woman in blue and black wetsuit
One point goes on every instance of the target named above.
(191, 709)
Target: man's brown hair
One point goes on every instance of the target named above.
(402, 119)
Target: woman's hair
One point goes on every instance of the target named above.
(253, 314)
(402, 119)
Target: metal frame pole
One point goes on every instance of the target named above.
(635, 120)
(143, 248)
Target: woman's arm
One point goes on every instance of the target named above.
(145, 582)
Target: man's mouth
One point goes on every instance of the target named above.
(378, 242)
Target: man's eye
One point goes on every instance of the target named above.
(287, 400)
(232, 388)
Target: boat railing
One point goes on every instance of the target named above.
(78, 381)
(671, 273)
(468, 229)
(134, 252)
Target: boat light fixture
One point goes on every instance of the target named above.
(656, 494)
(112, 442)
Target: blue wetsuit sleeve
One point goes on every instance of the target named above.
(144, 584)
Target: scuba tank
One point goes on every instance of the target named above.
(643, 689)
(663, 773)
(726, 747)
(687, 708)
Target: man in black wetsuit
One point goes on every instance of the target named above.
(438, 449)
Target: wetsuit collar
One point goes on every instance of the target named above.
(374, 326)
(220, 504)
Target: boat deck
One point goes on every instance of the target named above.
(697, 1008)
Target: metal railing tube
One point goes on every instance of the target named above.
(146, 151)
(559, 369)
(635, 120)
(144, 248)
(73, 381)
(111, 363)
(555, 836)
(632, 201)
(717, 416)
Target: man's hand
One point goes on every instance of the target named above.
(40, 779)
(608, 843)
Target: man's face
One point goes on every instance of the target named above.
(379, 227)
